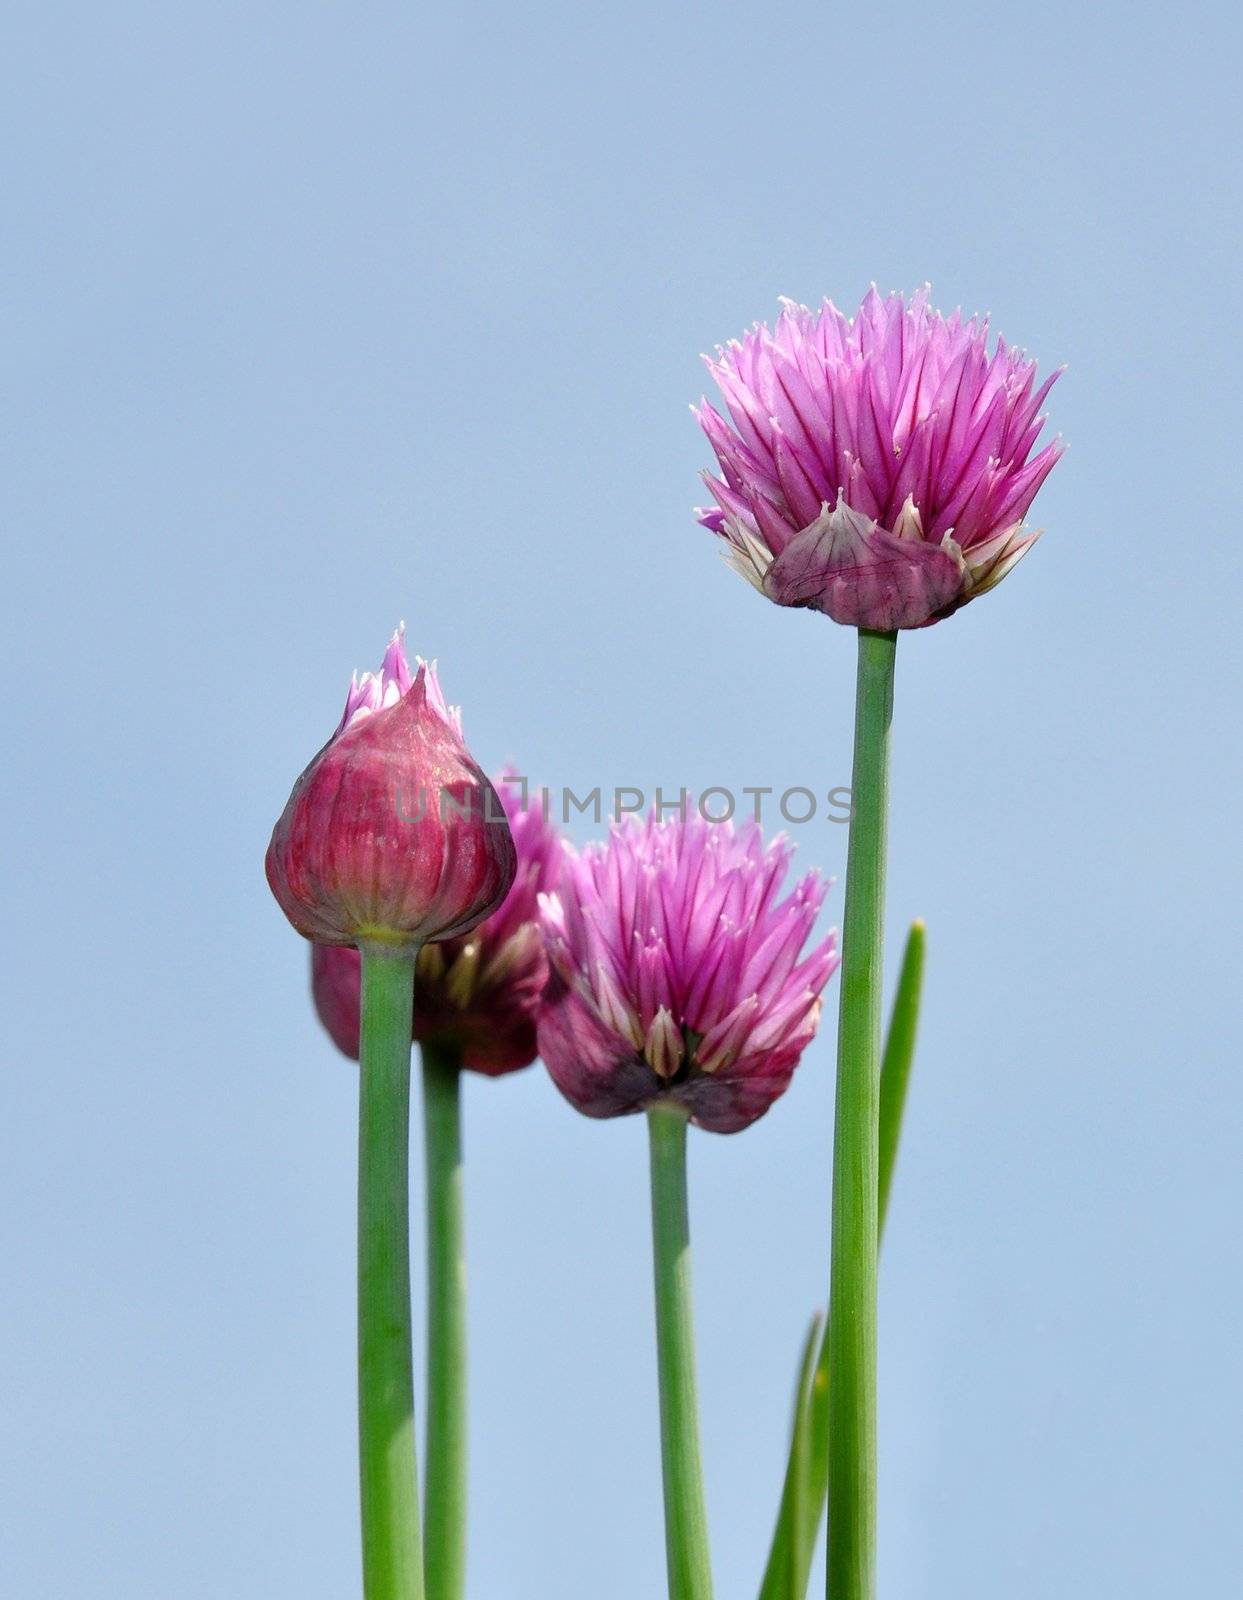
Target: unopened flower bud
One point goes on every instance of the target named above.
(392, 835)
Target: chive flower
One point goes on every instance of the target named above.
(679, 975)
(876, 468)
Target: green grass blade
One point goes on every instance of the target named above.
(895, 1069)
(803, 1491)
(796, 1524)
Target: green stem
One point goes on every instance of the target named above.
(444, 1555)
(686, 1523)
(852, 1285)
(392, 1557)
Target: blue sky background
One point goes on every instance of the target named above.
(319, 316)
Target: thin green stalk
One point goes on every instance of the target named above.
(852, 1283)
(392, 1557)
(686, 1523)
(444, 1552)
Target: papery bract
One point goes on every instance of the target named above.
(678, 973)
(480, 991)
(393, 834)
(877, 469)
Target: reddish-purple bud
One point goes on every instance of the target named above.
(393, 834)
(478, 993)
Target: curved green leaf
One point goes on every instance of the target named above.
(807, 1469)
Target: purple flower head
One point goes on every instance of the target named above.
(479, 991)
(678, 973)
(877, 469)
(392, 834)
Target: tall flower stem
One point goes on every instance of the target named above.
(852, 1286)
(392, 1553)
(686, 1523)
(444, 1556)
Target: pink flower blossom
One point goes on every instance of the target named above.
(877, 469)
(678, 973)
